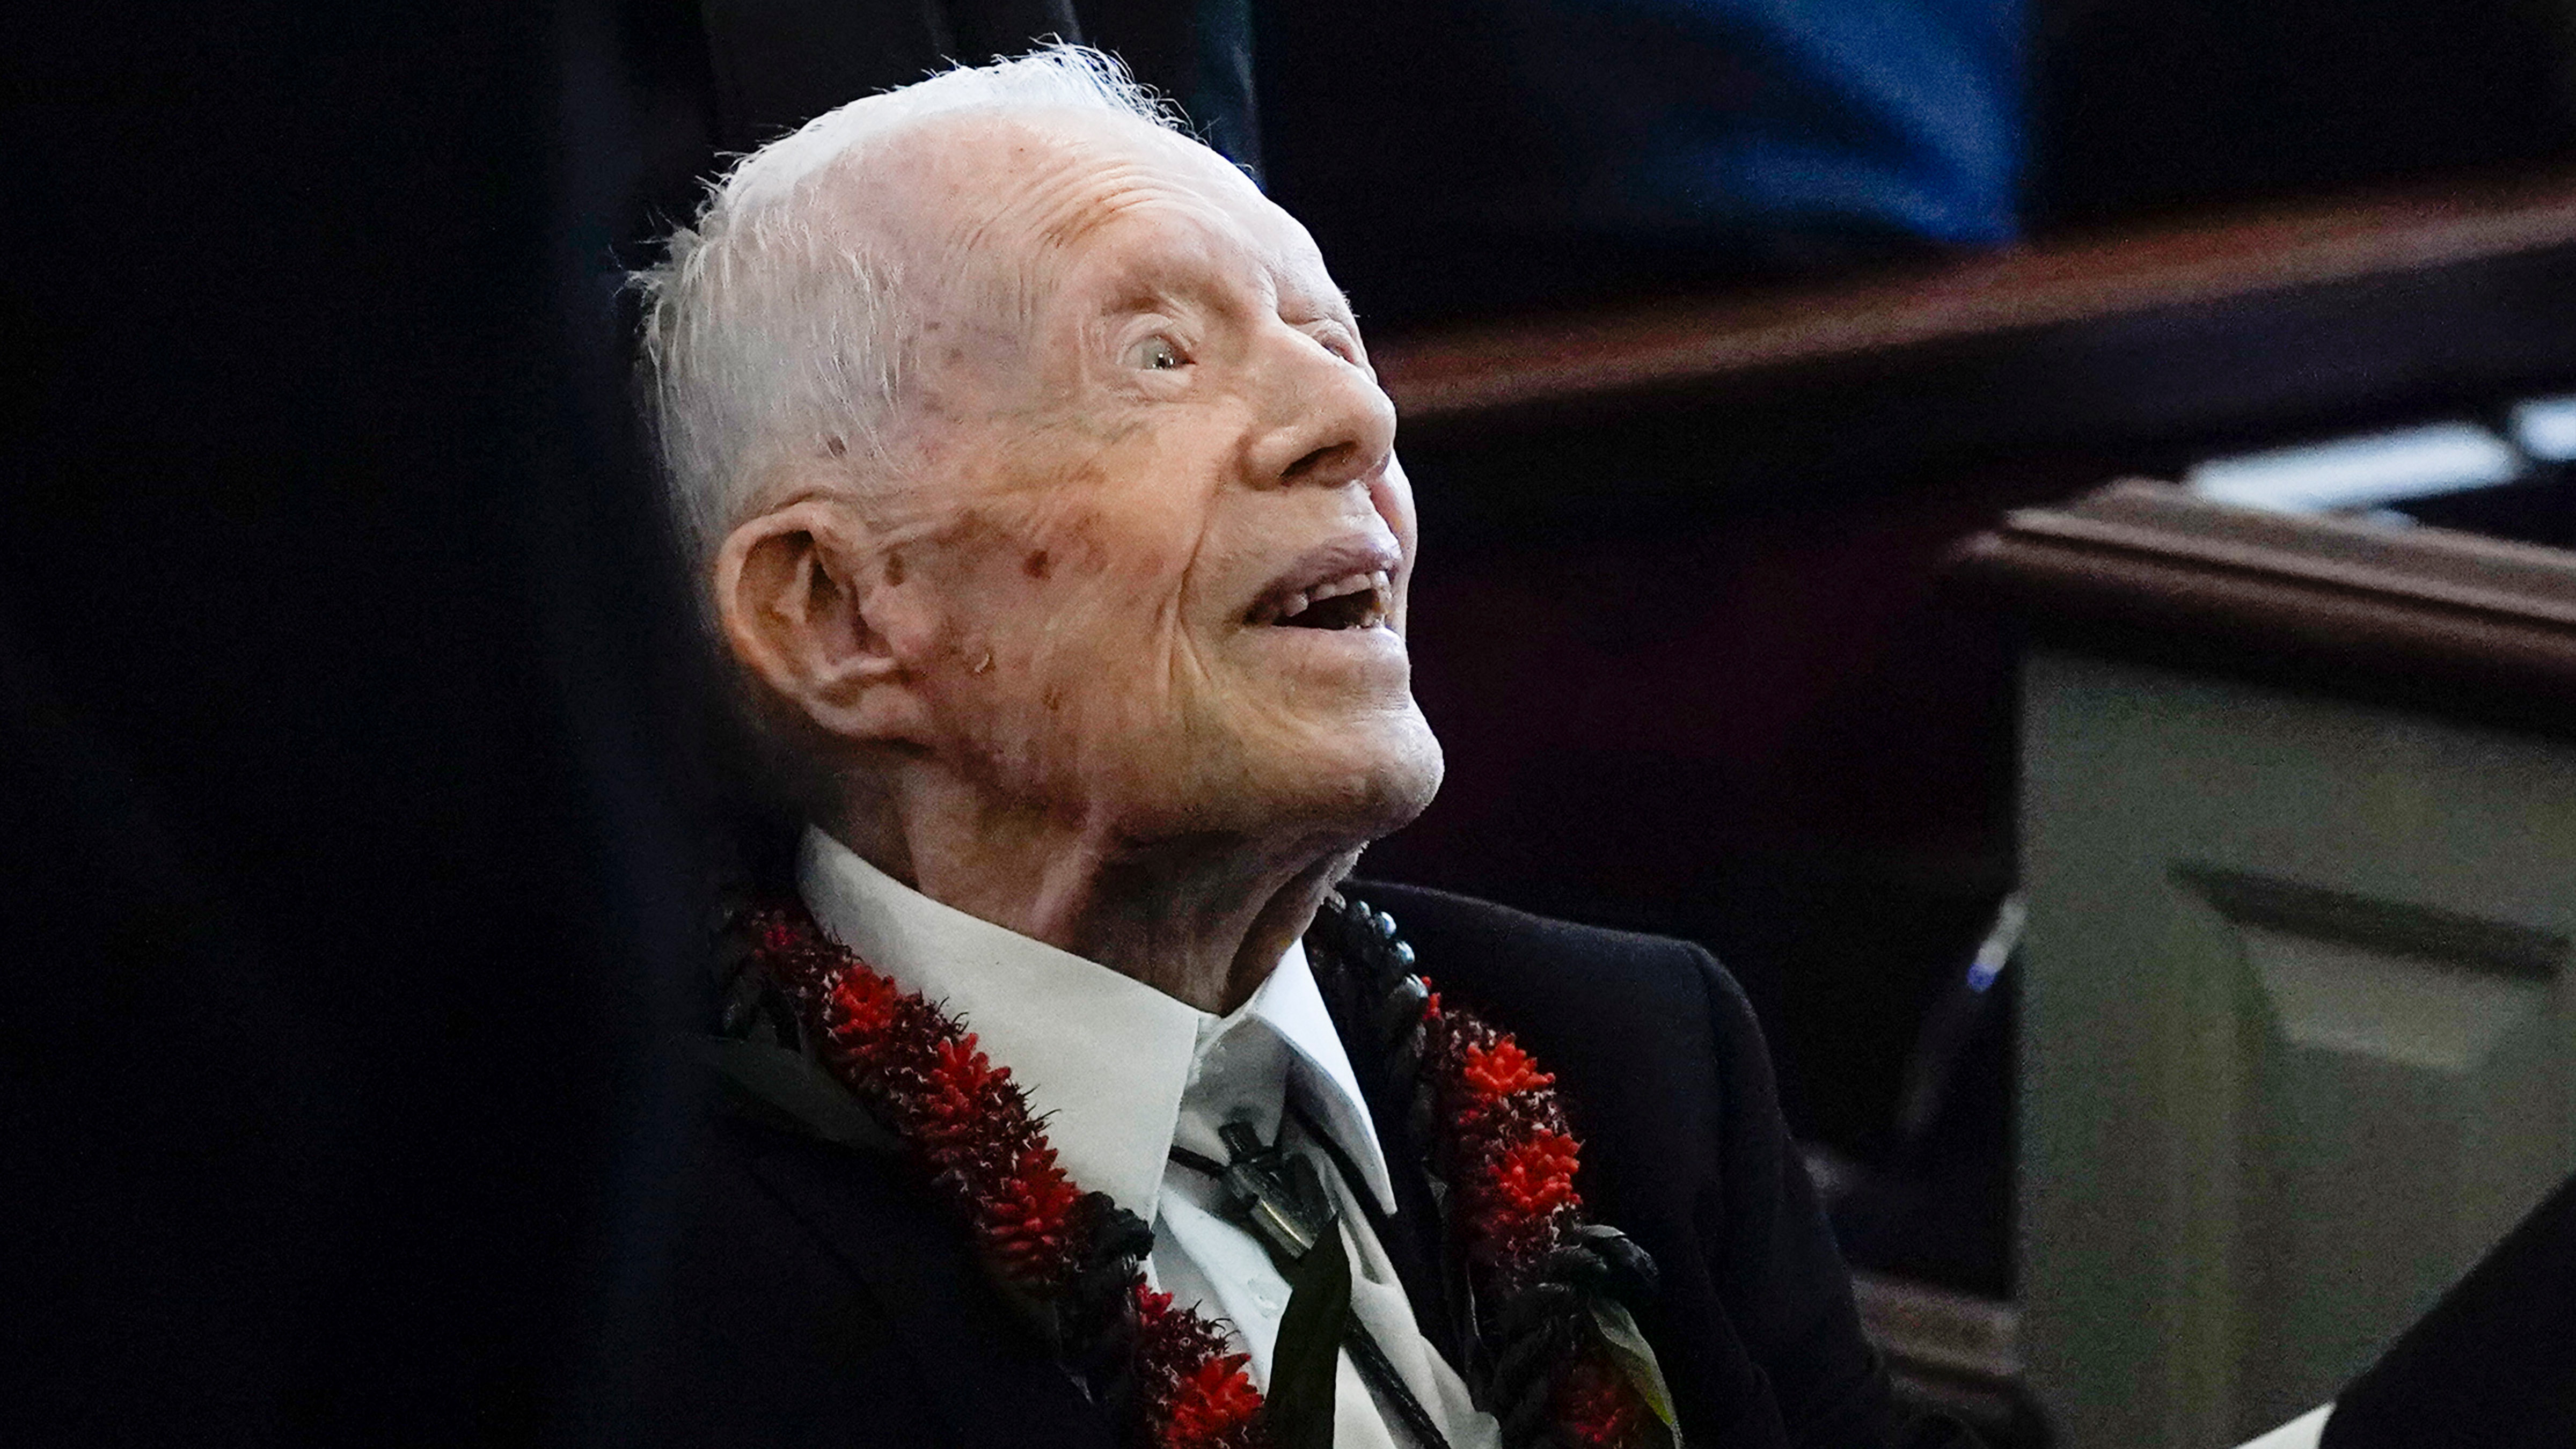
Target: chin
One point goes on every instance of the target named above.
(1332, 786)
(1363, 786)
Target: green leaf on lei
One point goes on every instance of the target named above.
(1636, 1360)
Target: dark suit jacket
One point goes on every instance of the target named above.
(2493, 1365)
(820, 1301)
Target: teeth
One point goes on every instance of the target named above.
(1353, 584)
(1294, 604)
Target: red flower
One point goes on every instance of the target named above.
(1215, 1405)
(1024, 1225)
(1596, 1405)
(963, 1096)
(1536, 1174)
(1501, 1070)
(863, 1005)
(1196, 1394)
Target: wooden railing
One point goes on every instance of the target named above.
(2124, 348)
(1655, 346)
(2428, 617)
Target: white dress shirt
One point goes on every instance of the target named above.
(2303, 1432)
(1121, 1072)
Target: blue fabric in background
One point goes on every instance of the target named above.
(1222, 101)
(1453, 155)
(1896, 114)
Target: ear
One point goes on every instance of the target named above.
(795, 590)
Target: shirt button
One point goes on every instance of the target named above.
(1270, 1302)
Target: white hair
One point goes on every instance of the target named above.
(771, 332)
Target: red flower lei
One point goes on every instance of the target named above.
(1509, 1155)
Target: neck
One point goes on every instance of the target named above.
(1203, 918)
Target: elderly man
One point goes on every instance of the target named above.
(1041, 492)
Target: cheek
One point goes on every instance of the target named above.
(1391, 493)
(1084, 600)
(1392, 496)
(1073, 574)
(1085, 563)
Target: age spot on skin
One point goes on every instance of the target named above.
(1080, 532)
(1037, 565)
(893, 569)
(834, 446)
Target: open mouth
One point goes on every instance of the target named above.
(1352, 601)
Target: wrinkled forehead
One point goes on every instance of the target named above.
(1004, 207)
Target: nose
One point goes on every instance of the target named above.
(1325, 421)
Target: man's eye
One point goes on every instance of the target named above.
(1154, 354)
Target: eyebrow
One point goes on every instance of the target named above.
(1162, 277)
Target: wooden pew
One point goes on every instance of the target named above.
(2298, 814)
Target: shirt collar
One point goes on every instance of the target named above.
(1319, 1070)
(1104, 1058)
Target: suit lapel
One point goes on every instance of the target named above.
(987, 1376)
